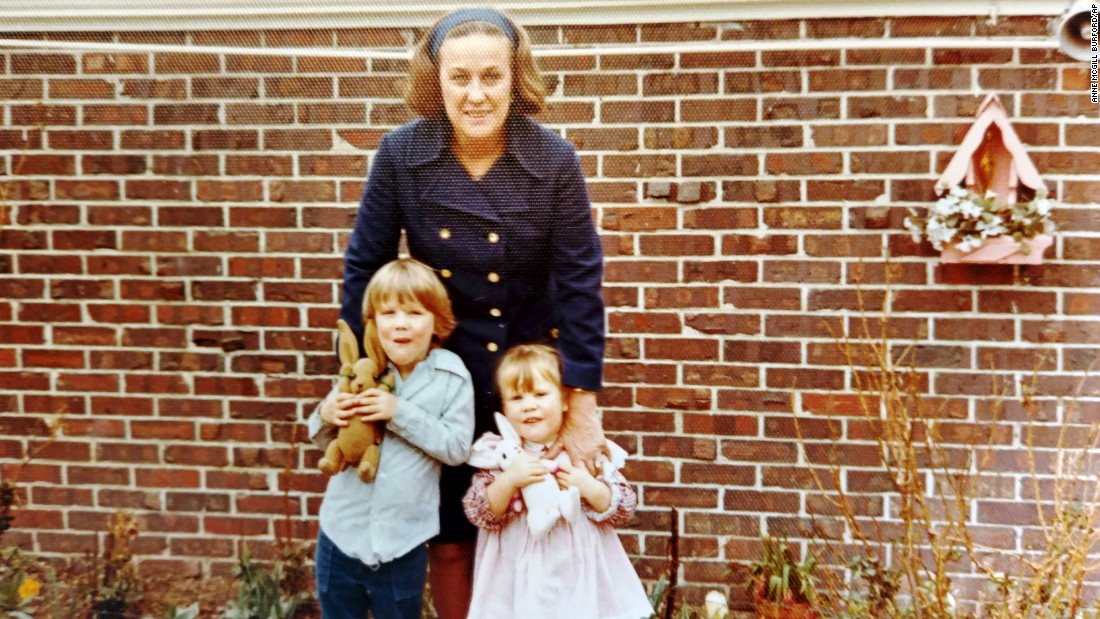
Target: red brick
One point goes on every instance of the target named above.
(887, 107)
(638, 111)
(717, 110)
(758, 82)
(801, 58)
(86, 190)
(186, 165)
(682, 349)
(114, 164)
(803, 217)
(801, 108)
(229, 191)
(152, 140)
(158, 190)
(680, 496)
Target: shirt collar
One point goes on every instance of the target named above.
(522, 135)
(437, 359)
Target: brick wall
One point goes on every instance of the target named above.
(173, 226)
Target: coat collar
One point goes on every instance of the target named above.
(523, 135)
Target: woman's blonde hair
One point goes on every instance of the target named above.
(522, 365)
(425, 97)
(405, 281)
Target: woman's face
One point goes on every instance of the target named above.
(475, 76)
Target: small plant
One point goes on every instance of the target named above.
(781, 585)
(965, 219)
(260, 595)
(117, 590)
(19, 585)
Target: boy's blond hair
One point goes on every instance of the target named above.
(405, 281)
(522, 365)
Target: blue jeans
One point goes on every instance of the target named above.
(347, 588)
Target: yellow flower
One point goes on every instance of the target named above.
(29, 588)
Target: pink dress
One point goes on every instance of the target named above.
(576, 571)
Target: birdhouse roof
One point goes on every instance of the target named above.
(991, 112)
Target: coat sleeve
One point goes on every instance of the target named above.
(447, 437)
(576, 274)
(375, 236)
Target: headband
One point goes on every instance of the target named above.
(448, 23)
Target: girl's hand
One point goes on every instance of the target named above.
(524, 471)
(377, 405)
(578, 477)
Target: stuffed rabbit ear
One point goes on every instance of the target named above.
(507, 432)
(348, 347)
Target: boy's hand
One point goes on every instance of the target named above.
(524, 471)
(335, 411)
(377, 405)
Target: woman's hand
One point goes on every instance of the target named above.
(581, 434)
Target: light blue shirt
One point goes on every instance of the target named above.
(399, 510)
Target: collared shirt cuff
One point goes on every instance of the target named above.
(582, 375)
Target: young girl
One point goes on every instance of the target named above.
(577, 570)
(371, 552)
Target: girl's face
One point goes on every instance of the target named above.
(475, 77)
(405, 332)
(537, 414)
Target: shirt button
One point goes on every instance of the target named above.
(493, 277)
(492, 346)
(494, 313)
(445, 234)
(446, 273)
(494, 237)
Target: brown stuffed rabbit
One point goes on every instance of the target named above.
(356, 444)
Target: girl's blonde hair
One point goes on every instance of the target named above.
(425, 97)
(405, 281)
(522, 365)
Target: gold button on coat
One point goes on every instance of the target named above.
(494, 312)
(445, 273)
(492, 346)
(445, 234)
(493, 277)
(493, 237)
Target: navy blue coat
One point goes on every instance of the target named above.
(517, 250)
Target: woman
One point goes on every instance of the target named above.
(498, 206)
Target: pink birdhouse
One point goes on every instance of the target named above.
(991, 158)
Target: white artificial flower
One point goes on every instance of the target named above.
(945, 206)
(1042, 207)
(970, 210)
(716, 605)
(991, 228)
(938, 234)
(914, 230)
(958, 191)
(968, 244)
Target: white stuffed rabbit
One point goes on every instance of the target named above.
(545, 501)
